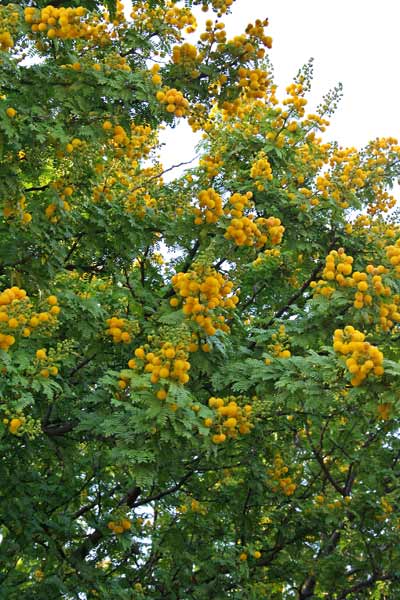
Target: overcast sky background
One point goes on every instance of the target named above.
(355, 42)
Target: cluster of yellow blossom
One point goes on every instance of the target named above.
(384, 410)
(139, 201)
(73, 145)
(220, 6)
(256, 32)
(48, 369)
(368, 284)
(338, 268)
(119, 330)
(261, 171)
(286, 484)
(266, 255)
(19, 210)
(119, 135)
(54, 210)
(185, 55)
(275, 230)
(212, 165)
(119, 526)
(253, 83)
(129, 146)
(295, 100)
(194, 505)
(245, 48)
(363, 358)
(15, 424)
(237, 204)
(11, 112)
(206, 295)
(215, 32)
(244, 556)
(279, 346)
(171, 18)
(155, 74)
(18, 317)
(337, 265)
(114, 61)
(230, 418)
(63, 23)
(167, 362)
(393, 254)
(18, 424)
(210, 207)
(245, 231)
(180, 17)
(381, 201)
(199, 117)
(6, 41)
(9, 17)
(174, 101)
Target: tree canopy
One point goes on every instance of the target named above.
(199, 389)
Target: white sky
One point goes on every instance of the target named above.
(352, 41)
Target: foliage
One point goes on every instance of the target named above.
(199, 387)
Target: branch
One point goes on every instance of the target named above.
(170, 490)
(55, 429)
(38, 188)
(158, 175)
(97, 535)
(142, 263)
(74, 246)
(297, 294)
(362, 585)
(307, 589)
(320, 460)
(188, 261)
(82, 364)
(130, 497)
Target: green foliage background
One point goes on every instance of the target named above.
(94, 444)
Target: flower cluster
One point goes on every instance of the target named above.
(206, 295)
(46, 369)
(18, 210)
(279, 470)
(210, 207)
(180, 17)
(186, 54)
(9, 17)
(253, 82)
(279, 345)
(363, 358)
(167, 362)
(261, 171)
(6, 41)
(119, 526)
(17, 316)
(19, 424)
(212, 165)
(368, 285)
(174, 101)
(63, 23)
(230, 418)
(393, 254)
(119, 329)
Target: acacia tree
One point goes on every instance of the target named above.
(199, 382)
